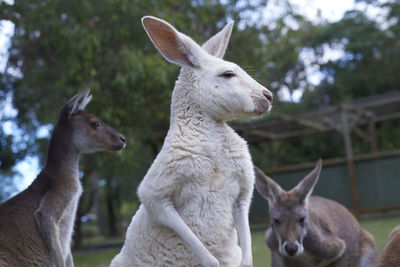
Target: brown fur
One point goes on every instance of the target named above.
(328, 235)
(390, 256)
(36, 225)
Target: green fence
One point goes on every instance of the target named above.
(378, 184)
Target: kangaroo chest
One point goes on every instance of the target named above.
(67, 220)
(216, 177)
(69, 213)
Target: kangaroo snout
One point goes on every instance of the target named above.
(122, 138)
(268, 95)
(116, 139)
(291, 248)
(122, 142)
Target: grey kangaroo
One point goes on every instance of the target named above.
(390, 255)
(311, 231)
(36, 225)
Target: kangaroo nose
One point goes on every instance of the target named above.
(291, 248)
(268, 95)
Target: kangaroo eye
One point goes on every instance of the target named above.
(228, 74)
(277, 222)
(301, 220)
(95, 124)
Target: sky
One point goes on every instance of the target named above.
(6, 30)
(315, 10)
(319, 11)
(330, 10)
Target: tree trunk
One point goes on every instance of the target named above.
(101, 224)
(78, 231)
(112, 218)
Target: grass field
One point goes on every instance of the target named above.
(380, 228)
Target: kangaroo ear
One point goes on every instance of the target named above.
(217, 44)
(306, 186)
(176, 47)
(267, 187)
(76, 103)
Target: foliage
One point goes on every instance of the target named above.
(59, 47)
(365, 68)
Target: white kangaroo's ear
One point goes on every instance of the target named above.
(306, 186)
(267, 187)
(176, 47)
(217, 44)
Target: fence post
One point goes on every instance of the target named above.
(350, 161)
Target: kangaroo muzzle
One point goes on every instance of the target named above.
(291, 248)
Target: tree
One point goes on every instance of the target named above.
(366, 68)
(59, 47)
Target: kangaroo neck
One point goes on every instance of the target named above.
(187, 117)
(196, 124)
(62, 158)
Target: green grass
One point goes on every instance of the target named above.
(101, 240)
(97, 259)
(378, 227)
(261, 254)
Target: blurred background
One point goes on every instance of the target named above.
(333, 67)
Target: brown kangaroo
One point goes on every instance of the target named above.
(390, 256)
(310, 231)
(36, 225)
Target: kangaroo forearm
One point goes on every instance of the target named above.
(240, 214)
(49, 234)
(45, 226)
(167, 215)
(324, 247)
(276, 260)
(69, 261)
(334, 248)
(54, 202)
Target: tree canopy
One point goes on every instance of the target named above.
(59, 47)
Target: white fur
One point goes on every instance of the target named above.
(196, 195)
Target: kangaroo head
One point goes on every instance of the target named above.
(219, 88)
(88, 133)
(288, 209)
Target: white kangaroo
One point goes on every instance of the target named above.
(308, 231)
(196, 195)
(36, 225)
